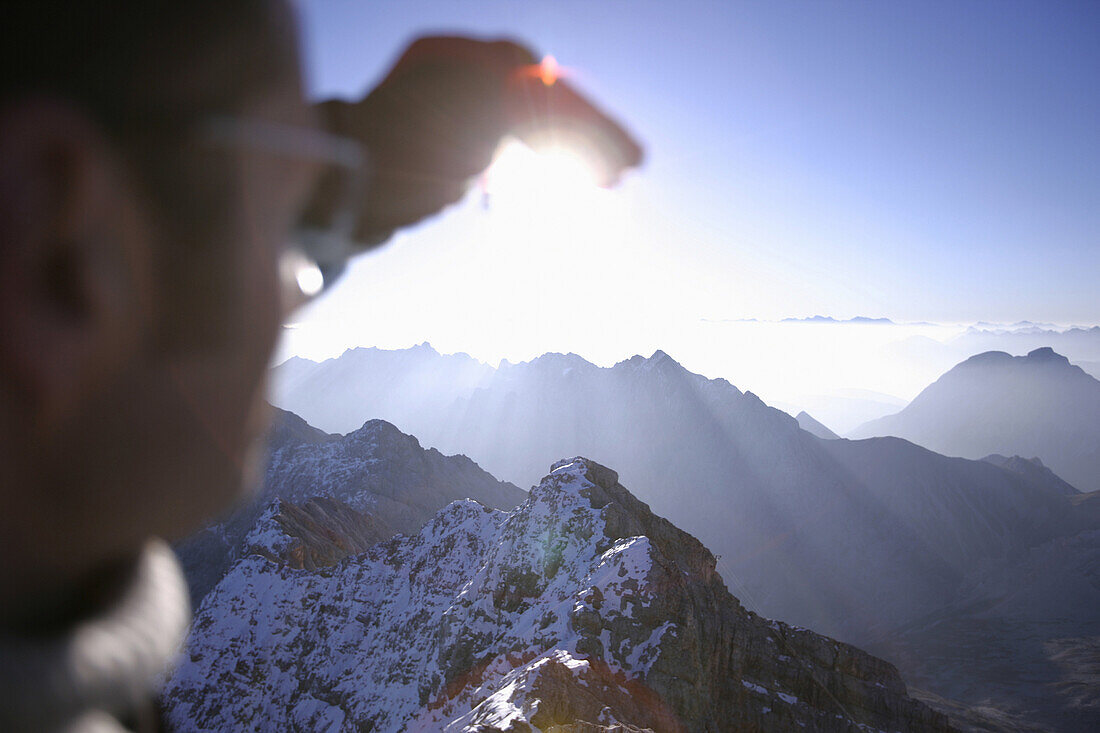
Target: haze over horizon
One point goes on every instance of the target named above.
(928, 164)
(842, 373)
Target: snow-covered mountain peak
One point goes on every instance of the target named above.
(577, 473)
(571, 465)
(578, 605)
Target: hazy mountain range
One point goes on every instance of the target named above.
(578, 610)
(1080, 345)
(885, 522)
(1037, 405)
(845, 372)
(811, 319)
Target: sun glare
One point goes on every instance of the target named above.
(549, 71)
(548, 178)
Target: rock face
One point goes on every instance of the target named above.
(362, 487)
(578, 610)
(318, 533)
(1034, 405)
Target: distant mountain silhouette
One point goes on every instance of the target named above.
(1034, 470)
(1037, 405)
(1078, 343)
(404, 386)
(830, 319)
(813, 427)
(807, 319)
(843, 409)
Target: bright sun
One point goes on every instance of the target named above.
(549, 200)
(551, 180)
(550, 241)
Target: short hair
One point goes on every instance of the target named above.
(124, 58)
(144, 71)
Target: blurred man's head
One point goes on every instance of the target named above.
(139, 297)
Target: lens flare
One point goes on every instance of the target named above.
(549, 71)
(310, 280)
(302, 278)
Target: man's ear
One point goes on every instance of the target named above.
(75, 262)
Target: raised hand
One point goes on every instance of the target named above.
(438, 116)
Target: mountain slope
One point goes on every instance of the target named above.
(578, 608)
(383, 476)
(407, 387)
(1034, 471)
(828, 520)
(1030, 624)
(813, 427)
(1035, 405)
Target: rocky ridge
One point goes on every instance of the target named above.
(1034, 405)
(578, 610)
(1034, 471)
(361, 487)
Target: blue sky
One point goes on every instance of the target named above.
(921, 161)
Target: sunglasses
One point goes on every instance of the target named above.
(323, 238)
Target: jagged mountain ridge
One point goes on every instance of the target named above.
(579, 608)
(1078, 343)
(405, 387)
(1035, 405)
(384, 476)
(1034, 470)
(832, 520)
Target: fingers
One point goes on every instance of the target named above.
(542, 115)
(438, 116)
(499, 57)
(504, 81)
